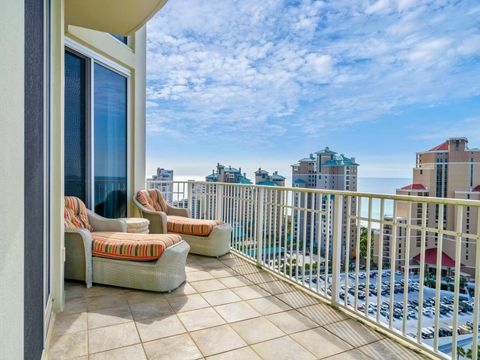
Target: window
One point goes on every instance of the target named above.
(123, 39)
(471, 172)
(110, 142)
(96, 135)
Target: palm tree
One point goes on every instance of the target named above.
(469, 353)
(460, 352)
(448, 281)
(364, 244)
(429, 281)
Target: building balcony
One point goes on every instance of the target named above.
(228, 309)
(331, 245)
(308, 277)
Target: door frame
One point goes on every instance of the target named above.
(92, 57)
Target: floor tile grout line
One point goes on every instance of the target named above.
(222, 352)
(265, 318)
(343, 352)
(88, 335)
(355, 346)
(136, 328)
(115, 348)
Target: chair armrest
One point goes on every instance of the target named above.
(179, 211)
(78, 255)
(158, 219)
(99, 223)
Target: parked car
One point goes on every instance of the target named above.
(427, 312)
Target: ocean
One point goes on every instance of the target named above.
(380, 185)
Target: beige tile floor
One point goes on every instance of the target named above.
(228, 309)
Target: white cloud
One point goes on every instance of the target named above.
(378, 6)
(429, 50)
(407, 4)
(470, 45)
(250, 68)
(468, 127)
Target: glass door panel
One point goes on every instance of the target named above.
(75, 127)
(110, 142)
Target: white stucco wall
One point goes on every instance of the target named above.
(11, 178)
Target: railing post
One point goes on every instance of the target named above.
(259, 226)
(336, 247)
(190, 197)
(219, 202)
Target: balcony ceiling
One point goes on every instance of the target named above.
(121, 17)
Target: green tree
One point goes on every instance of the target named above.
(314, 268)
(291, 266)
(449, 281)
(364, 244)
(469, 353)
(460, 352)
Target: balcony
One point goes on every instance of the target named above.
(308, 277)
(228, 309)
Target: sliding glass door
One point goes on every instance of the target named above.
(96, 135)
(110, 144)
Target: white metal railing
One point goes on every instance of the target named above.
(331, 243)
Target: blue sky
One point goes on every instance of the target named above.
(264, 83)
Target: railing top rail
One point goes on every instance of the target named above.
(406, 198)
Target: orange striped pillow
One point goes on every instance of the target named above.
(144, 199)
(75, 214)
(158, 200)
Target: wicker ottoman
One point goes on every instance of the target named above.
(137, 225)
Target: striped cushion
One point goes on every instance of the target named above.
(188, 226)
(144, 199)
(75, 214)
(158, 200)
(153, 200)
(127, 246)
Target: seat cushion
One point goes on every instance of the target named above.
(189, 226)
(152, 200)
(75, 214)
(128, 246)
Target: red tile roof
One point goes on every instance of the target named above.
(414, 187)
(441, 147)
(431, 258)
(476, 188)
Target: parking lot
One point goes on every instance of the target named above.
(465, 316)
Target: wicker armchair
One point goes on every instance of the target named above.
(205, 237)
(165, 273)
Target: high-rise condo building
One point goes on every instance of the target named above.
(263, 177)
(275, 225)
(325, 169)
(163, 181)
(329, 170)
(228, 174)
(449, 170)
